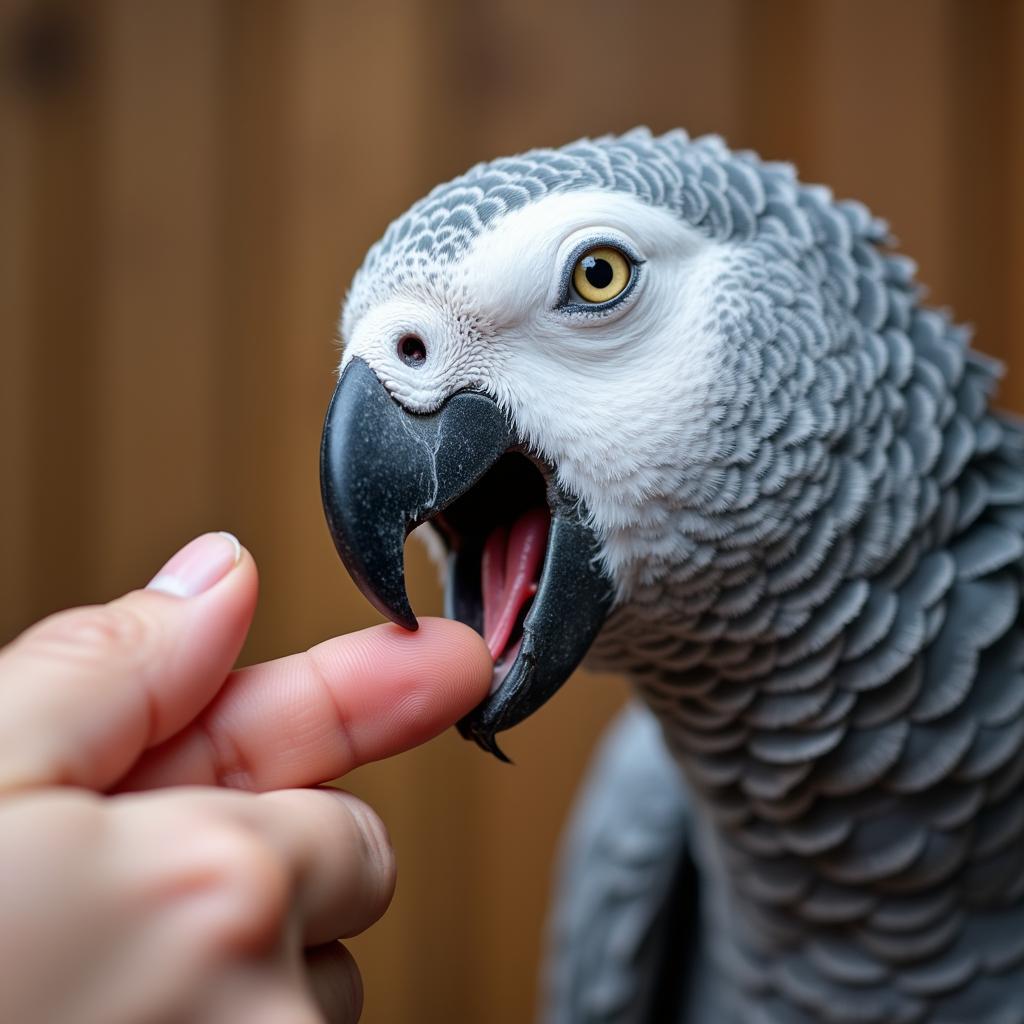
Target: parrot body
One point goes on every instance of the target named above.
(812, 527)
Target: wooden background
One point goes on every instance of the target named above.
(186, 187)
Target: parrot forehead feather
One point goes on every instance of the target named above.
(441, 226)
(699, 180)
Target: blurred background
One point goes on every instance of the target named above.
(186, 187)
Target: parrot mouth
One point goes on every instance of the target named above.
(496, 535)
(523, 561)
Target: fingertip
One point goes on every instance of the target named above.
(111, 681)
(444, 667)
(243, 572)
(211, 596)
(203, 562)
(240, 585)
(208, 632)
(400, 688)
(463, 646)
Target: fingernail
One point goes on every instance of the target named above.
(198, 565)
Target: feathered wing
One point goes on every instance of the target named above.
(624, 927)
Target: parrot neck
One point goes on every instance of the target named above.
(856, 767)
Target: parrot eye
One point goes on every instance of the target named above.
(601, 274)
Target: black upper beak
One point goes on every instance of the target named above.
(384, 471)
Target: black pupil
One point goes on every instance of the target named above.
(598, 272)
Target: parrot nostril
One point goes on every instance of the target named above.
(411, 350)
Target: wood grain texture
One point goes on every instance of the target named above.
(54, 73)
(186, 187)
(159, 292)
(1011, 291)
(16, 448)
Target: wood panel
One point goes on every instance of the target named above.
(15, 342)
(159, 292)
(52, 77)
(983, 111)
(1010, 291)
(186, 187)
(882, 121)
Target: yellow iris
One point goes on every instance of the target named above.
(601, 274)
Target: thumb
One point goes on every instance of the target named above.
(86, 691)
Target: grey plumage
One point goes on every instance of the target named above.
(821, 607)
(847, 705)
(615, 889)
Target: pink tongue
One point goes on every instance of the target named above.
(510, 569)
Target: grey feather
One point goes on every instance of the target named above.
(868, 821)
(836, 653)
(628, 842)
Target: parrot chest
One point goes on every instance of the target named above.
(861, 852)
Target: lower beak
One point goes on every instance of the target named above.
(384, 471)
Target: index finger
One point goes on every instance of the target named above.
(312, 717)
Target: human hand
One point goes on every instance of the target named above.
(211, 901)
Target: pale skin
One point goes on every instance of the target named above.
(166, 853)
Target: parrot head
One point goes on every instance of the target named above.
(603, 378)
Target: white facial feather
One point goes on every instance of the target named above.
(619, 403)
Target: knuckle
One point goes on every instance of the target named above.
(377, 849)
(49, 823)
(349, 987)
(352, 995)
(93, 634)
(336, 981)
(252, 884)
(299, 1012)
(81, 816)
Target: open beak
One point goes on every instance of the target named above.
(523, 566)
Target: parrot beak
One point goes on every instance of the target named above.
(385, 471)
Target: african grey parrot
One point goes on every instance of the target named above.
(665, 406)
